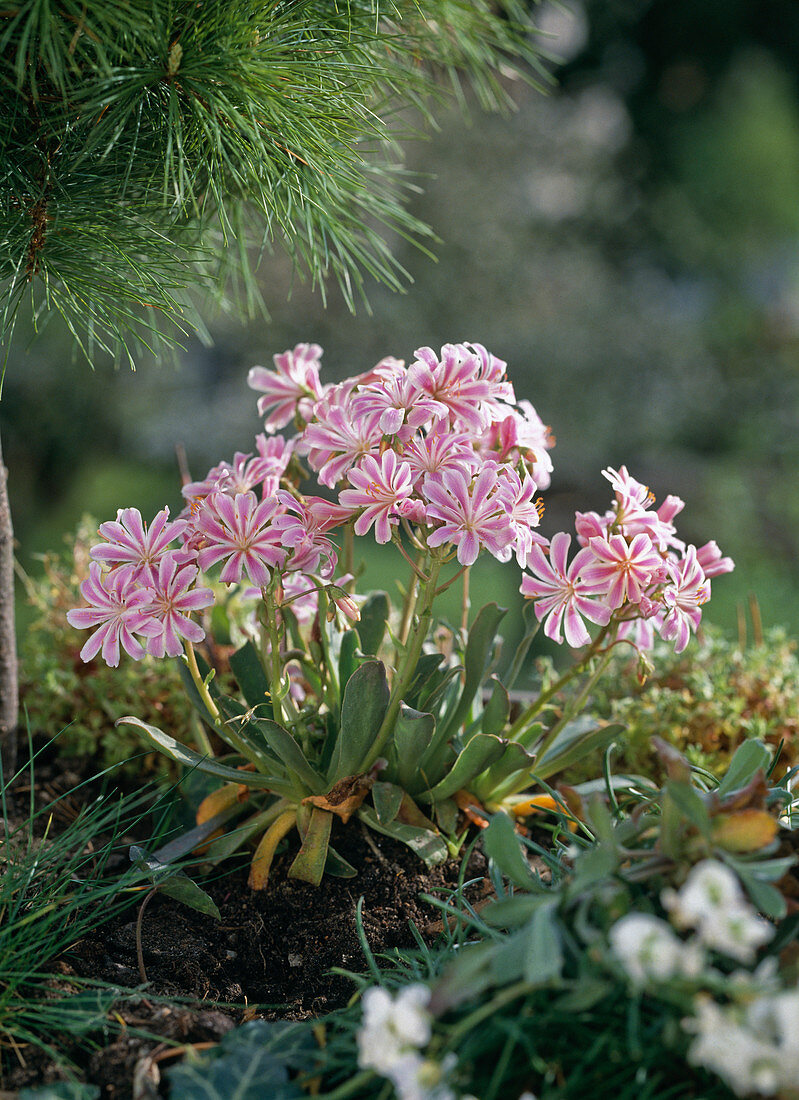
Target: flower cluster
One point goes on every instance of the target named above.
(631, 570)
(141, 590)
(710, 902)
(750, 1041)
(390, 1041)
(440, 447)
(752, 1046)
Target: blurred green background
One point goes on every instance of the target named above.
(629, 243)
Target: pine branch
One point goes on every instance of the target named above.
(154, 146)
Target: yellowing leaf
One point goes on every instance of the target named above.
(745, 831)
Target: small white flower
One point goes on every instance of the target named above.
(711, 888)
(393, 1027)
(648, 949)
(712, 902)
(730, 1044)
(417, 1078)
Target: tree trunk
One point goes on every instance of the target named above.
(9, 683)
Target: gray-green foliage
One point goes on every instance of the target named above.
(147, 146)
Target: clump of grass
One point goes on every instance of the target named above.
(57, 882)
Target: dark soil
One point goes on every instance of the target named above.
(270, 955)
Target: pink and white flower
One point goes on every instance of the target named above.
(377, 488)
(339, 441)
(174, 600)
(398, 401)
(561, 595)
(459, 381)
(130, 542)
(524, 512)
(624, 570)
(290, 390)
(472, 513)
(301, 528)
(239, 532)
(683, 598)
(712, 562)
(120, 608)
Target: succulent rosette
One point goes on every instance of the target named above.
(344, 708)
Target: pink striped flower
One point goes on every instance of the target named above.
(524, 512)
(377, 488)
(440, 449)
(472, 513)
(290, 390)
(130, 542)
(561, 596)
(396, 398)
(120, 608)
(710, 559)
(623, 570)
(245, 472)
(462, 382)
(239, 532)
(174, 600)
(336, 442)
(301, 529)
(683, 598)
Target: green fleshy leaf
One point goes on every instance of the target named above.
(338, 866)
(749, 758)
(465, 979)
(594, 864)
(372, 624)
(174, 883)
(387, 798)
(577, 739)
(514, 764)
(309, 864)
(479, 651)
(413, 735)
(347, 661)
(365, 700)
(496, 711)
(183, 889)
(251, 678)
(425, 681)
(446, 814)
(428, 846)
(510, 912)
(690, 804)
(291, 756)
(482, 751)
(766, 898)
(534, 952)
(191, 759)
(501, 844)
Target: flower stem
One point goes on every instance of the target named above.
(535, 708)
(276, 692)
(407, 668)
(199, 682)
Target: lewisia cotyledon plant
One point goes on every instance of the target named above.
(439, 459)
